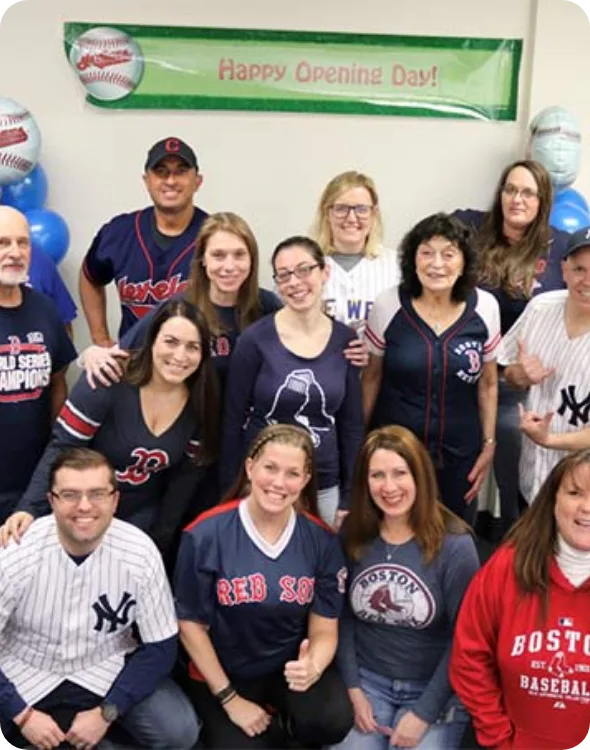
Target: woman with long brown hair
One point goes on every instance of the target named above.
(259, 587)
(521, 654)
(519, 257)
(158, 427)
(410, 562)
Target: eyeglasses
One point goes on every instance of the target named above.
(74, 496)
(301, 272)
(361, 210)
(527, 194)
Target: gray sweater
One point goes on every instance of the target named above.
(400, 614)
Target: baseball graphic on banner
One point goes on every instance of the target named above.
(108, 62)
(20, 141)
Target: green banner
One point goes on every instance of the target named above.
(163, 67)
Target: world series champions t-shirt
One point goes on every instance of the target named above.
(34, 346)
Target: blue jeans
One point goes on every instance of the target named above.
(391, 699)
(328, 501)
(507, 455)
(165, 720)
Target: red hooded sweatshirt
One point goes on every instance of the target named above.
(524, 679)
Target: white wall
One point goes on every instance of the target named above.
(271, 167)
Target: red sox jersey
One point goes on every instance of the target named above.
(125, 250)
(63, 621)
(110, 421)
(256, 597)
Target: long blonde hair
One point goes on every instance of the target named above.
(321, 231)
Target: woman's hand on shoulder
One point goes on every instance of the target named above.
(103, 365)
(364, 720)
(14, 527)
(250, 717)
(357, 353)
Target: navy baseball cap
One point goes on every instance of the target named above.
(171, 147)
(577, 241)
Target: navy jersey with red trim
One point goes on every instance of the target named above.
(256, 597)
(125, 250)
(429, 382)
(548, 275)
(110, 421)
(34, 346)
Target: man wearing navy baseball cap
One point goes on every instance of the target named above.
(547, 351)
(147, 253)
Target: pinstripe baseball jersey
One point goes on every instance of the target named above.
(63, 621)
(255, 596)
(110, 421)
(429, 382)
(126, 250)
(566, 392)
(349, 295)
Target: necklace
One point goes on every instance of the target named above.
(391, 549)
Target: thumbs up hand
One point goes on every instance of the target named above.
(300, 675)
(534, 370)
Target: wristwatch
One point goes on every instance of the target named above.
(109, 711)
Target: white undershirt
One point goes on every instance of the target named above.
(573, 563)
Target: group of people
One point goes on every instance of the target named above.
(298, 470)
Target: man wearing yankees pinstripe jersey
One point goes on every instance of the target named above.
(547, 351)
(88, 632)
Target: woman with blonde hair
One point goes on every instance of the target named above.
(410, 562)
(521, 654)
(349, 230)
(259, 588)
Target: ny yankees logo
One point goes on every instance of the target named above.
(106, 614)
(580, 410)
(147, 462)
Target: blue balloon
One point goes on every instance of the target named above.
(49, 233)
(571, 196)
(29, 193)
(568, 217)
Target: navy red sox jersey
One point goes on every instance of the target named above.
(125, 250)
(63, 621)
(269, 384)
(110, 421)
(429, 382)
(34, 346)
(256, 597)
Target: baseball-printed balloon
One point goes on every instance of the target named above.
(20, 141)
(108, 62)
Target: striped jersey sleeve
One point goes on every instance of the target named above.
(489, 311)
(76, 425)
(385, 307)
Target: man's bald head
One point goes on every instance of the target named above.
(15, 247)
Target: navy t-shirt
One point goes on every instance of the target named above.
(110, 420)
(221, 346)
(34, 346)
(548, 274)
(269, 384)
(256, 597)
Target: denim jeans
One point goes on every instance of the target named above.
(391, 699)
(328, 501)
(507, 455)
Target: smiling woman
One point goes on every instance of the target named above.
(432, 366)
(290, 368)
(158, 427)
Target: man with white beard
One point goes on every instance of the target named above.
(35, 351)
